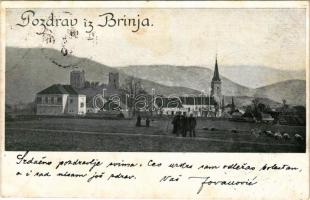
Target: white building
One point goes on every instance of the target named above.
(168, 106)
(198, 106)
(60, 100)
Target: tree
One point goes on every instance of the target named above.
(248, 112)
(256, 110)
(284, 106)
(132, 88)
(261, 107)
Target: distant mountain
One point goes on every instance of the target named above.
(293, 91)
(242, 101)
(260, 75)
(30, 70)
(198, 78)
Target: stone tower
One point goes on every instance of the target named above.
(216, 84)
(77, 79)
(113, 80)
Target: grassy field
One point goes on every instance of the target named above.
(68, 134)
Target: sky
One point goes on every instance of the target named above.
(274, 38)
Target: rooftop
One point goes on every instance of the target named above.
(59, 89)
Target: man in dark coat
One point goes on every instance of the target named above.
(138, 123)
(192, 125)
(176, 124)
(184, 124)
(147, 122)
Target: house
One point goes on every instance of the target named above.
(237, 116)
(60, 100)
(168, 106)
(225, 115)
(267, 118)
(199, 105)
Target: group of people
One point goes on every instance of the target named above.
(183, 124)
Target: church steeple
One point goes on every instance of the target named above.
(216, 75)
(216, 84)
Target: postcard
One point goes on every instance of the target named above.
(155, 100)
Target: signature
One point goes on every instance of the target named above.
(206, 180)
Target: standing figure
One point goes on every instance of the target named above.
(138, 123)
(147, 122)
(176, 122)
(184, 124)
(192, 125)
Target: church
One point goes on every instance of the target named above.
(213, 104)
(216, 84)
(216, 90)
(208, 105)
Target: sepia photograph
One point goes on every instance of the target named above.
(140, 80)
(186, 100)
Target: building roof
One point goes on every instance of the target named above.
(198, 100)
(236, 114)
(59, 89)
(266, 116)
(216, 75)
(165, 102)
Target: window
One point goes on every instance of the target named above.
(46, 100)
(82, 105)
(39, 100)
(59, 100)
(55, 100)
(71, 100)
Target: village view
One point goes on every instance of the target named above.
(88, 115)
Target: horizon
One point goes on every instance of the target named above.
(103, 82)
(211, 67)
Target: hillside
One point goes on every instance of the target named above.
(242, 101)
(293, 91)
(193, 77)
(30, 70)
(199, 78)
(263, 75)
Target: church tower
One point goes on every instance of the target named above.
(216, 84)
(113, 81)
(77, 79)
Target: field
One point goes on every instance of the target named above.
(79, 134)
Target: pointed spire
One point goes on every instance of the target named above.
(216, 75)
